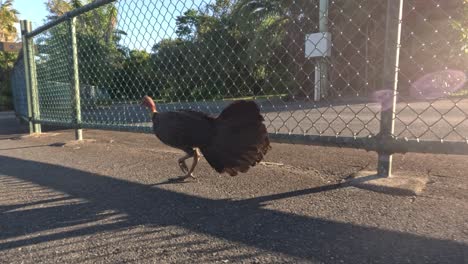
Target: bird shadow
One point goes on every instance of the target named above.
(174, 180)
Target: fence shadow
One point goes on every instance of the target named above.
(244, 221)
(11, 127)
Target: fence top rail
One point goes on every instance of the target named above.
(71, 14)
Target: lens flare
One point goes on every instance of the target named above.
(432, 86)
(384, 97)
(438, 85)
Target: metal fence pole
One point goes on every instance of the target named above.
(323, 27)
(390, 81)
(321, 67)
(34, 88)
(75, 81)
(25, 29)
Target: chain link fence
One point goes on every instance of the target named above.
(388, 76)
(19, 92)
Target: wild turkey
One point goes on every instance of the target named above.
(232, 142)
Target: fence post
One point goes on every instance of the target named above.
(390, 81)
(30, 78)
(75, 80)
(321, 67)
(35, 91)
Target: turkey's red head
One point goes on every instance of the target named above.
(148, 102)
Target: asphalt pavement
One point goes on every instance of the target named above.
(108, 200)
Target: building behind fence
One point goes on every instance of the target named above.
(387, 76)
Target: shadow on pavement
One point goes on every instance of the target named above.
(243, 221)
(13, 128)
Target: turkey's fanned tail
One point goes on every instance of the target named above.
(240, 140)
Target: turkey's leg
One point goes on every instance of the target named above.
(183, 164)
(196, 158)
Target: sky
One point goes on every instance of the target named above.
(145, 21)
(32, 10)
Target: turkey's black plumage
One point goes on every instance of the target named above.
(232, 142)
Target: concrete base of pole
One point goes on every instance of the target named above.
(406, 185)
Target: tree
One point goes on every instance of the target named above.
(133, 79)
(188, 24)
(435, 38)
(275, 30)
(100, 22)
(99, 54)
(203, 58)
(8, 18)
(245, 47)
(7, 60)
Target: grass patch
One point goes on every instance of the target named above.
(461, 92)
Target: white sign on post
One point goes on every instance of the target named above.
(318, 45)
